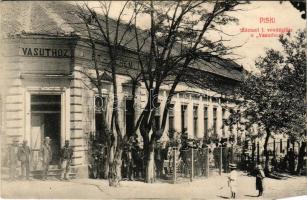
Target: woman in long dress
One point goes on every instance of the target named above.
(259, 180)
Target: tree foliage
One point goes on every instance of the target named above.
(274, 98)
(300, 6)
(179, 34)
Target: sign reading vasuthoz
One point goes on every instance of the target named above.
(45, 52)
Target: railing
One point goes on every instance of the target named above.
(191, 163)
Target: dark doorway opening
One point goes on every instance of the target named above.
(46, 122)
(129, 117)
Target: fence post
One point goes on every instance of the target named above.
(174, 166)
(207, 162)
(274, 147)
(192, 164)
(221, 160)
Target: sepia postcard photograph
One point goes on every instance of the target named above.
(153, 99)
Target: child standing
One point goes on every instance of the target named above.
(232, 180)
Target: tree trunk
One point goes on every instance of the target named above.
(266, 153)
(148, 158)
(150, 169)
(115, 169)
(106, 166)
(301, 155)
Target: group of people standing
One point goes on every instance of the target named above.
(23, 154)
(19, 154)
(285, 162)
(132, 160)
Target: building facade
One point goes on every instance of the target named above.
(46, 91)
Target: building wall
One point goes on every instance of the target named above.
(36, 65)
(33, 72)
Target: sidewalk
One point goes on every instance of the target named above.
(211, 188)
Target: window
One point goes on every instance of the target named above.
(100, 103)
(183, 118)
(171, 126)
(223, 121)
(45, 103)
(215, 100)
(157, 116)
(206, 125)
(195, 97)
(215, 120)
(195, 120)
(129, 117)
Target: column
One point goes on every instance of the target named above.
(15, 115)
(76, 131)
(226, 128)
(177, 114)
(219, 121)
(200, 122)
(121, 105)
(65, 116)
(210, 117)
(190, 118)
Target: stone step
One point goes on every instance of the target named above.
(53, 171)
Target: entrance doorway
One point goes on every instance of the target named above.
(45, 122)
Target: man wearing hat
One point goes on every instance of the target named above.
(66, 157)
(13, 161)
(232, 180)
(46, 156)
(24, 158)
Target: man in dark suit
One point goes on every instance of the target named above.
(66, 157)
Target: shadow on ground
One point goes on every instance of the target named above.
(251, 195)
(223, 197)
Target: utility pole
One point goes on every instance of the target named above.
(221, 160)
(174, 166)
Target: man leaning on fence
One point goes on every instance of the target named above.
(66, 157)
